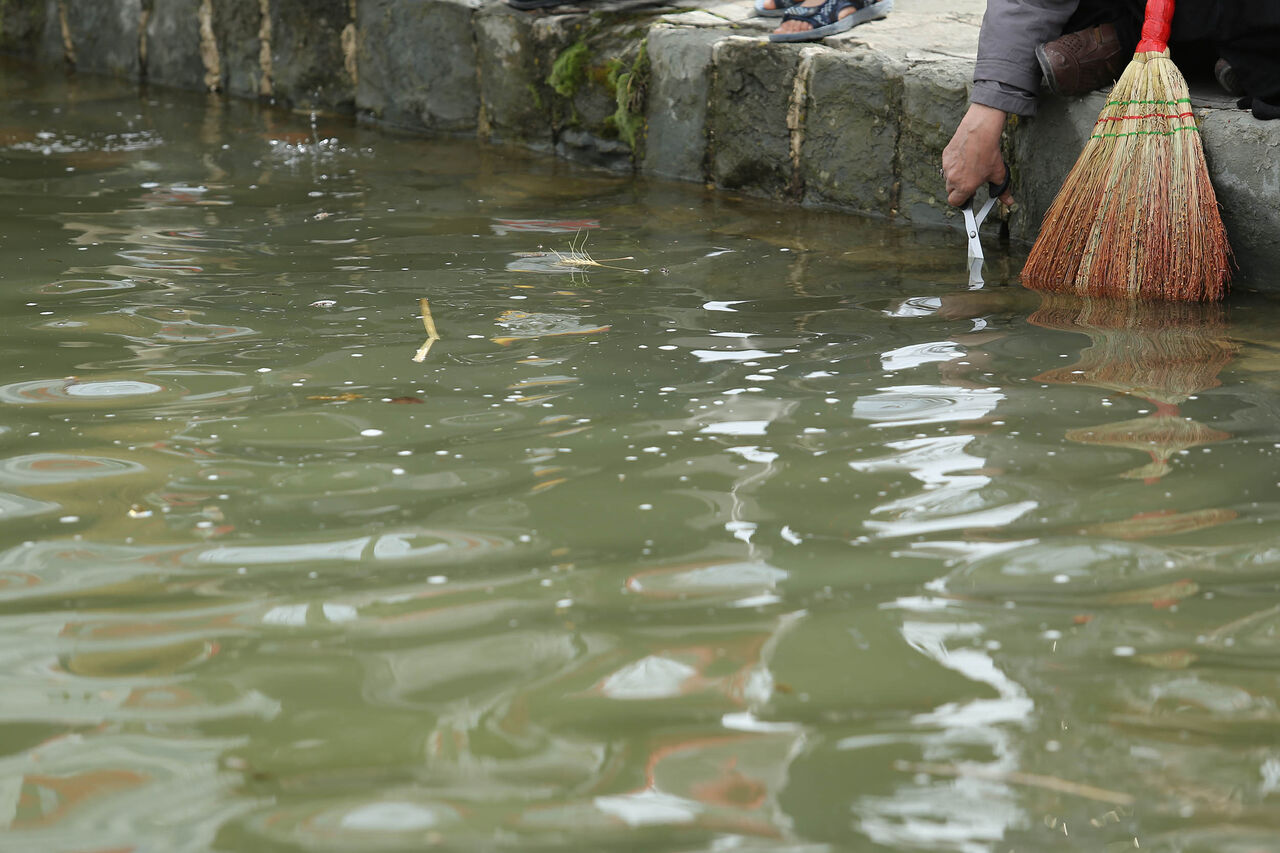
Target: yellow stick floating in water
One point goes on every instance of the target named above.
(428, 323)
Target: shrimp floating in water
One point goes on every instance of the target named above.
(578, 257)
(576, 260)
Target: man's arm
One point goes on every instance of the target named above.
(1006, 77)
(1011, 32)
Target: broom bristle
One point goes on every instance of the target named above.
(1137, 216)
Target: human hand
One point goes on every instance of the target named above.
(972, 157)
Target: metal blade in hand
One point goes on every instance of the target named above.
(975, 274)
(975, 246)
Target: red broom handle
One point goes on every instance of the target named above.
(1156, 27)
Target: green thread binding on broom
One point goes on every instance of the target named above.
(1145, 132)
(1126, 103)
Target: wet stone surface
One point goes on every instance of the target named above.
(415, 71)
(22, 28)
(514, 93)
(309, 66)
(105, 35)
(173, 45)
(852, 131)
(237, 27)
(679, 90)
(751, 93)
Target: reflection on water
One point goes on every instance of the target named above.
(792, 543)
(1164, 355)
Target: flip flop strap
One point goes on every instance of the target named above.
(827, 13)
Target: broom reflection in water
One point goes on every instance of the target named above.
(1164, 353)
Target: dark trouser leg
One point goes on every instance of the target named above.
(1246, 33)
(1125, 15)
(1256, 66)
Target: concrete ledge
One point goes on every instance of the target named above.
(856, 122)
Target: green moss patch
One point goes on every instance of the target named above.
(569, 69)
(630, 83)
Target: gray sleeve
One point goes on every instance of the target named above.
(1002, 96)
(1011, 30)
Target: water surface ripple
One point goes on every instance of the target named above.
(369, 493)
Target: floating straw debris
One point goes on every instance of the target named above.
(428, 323)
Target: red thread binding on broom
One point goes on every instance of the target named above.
(1156, 27)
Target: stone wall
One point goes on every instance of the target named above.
(856, 122)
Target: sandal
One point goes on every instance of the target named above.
(825, 20)
(776, 12)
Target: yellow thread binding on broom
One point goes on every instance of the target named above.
(1170, 103)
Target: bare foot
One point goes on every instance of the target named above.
(801, 26)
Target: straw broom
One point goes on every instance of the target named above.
(1137, 216)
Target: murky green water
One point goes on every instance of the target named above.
(790, 543)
